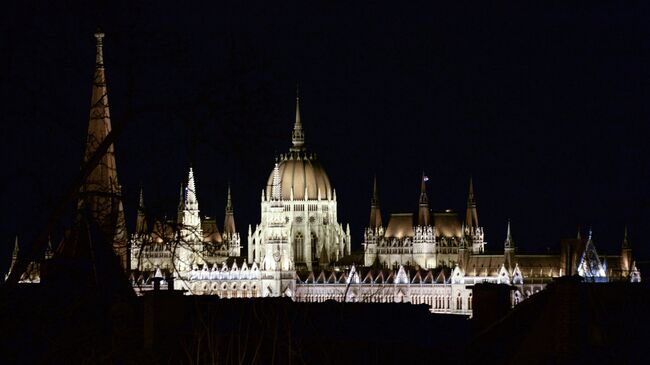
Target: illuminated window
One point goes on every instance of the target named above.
(299, 240)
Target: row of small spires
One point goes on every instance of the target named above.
(188, 201)
(297, 155)
(471, 218)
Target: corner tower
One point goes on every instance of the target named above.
(230, 234)
(473, 231)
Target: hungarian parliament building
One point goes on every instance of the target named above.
(299, 249)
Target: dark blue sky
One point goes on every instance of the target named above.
(545, 105)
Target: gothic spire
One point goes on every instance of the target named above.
(297, 136)
(471, 218)
(375, 194)
(626, 254)
(626, 243)
(375, 211)
(100, 194)
(191, 202)
(229, 221)
(509, 243)
(229, 201)
(423, 211)
(141, 222)
(100, 121)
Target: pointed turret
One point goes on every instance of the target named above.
(509, 243)
(297, 136)
(471, 218)
(141, 220)
(229, 222)
(509, 249)
(375, 210)
(626, 254)
(191, 202)
(100, 195)
(423, 210)
(191, 219)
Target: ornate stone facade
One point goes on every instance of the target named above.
(181, 246)
(299, 225)
(429, 243)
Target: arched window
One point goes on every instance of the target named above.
(469, 302)
(298, 242)
(459, 302)
(314, 244)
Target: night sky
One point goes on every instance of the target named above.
(544, 105)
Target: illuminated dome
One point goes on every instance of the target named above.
(299, 170)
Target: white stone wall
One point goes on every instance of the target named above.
(307, 225)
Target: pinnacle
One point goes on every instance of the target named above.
(99, 39)
(470, 197)
(297, 136)
(375, 192)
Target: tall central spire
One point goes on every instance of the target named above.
(297, 136)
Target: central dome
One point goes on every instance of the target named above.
(300, 171)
